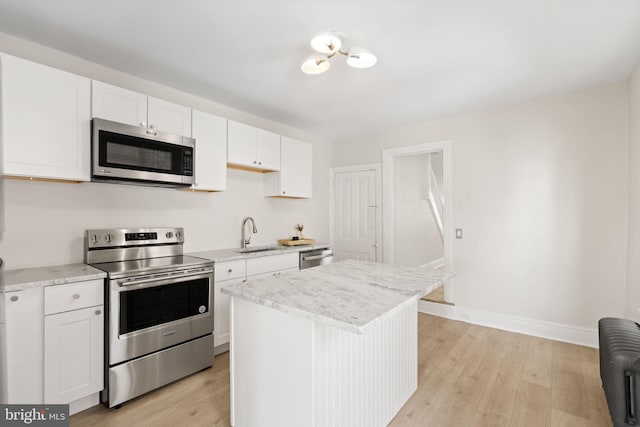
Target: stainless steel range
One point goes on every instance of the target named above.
(159, 325)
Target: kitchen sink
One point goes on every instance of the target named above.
(257, 249)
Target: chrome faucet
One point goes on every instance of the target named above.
(246, 241)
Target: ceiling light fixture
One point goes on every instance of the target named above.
(327, 45)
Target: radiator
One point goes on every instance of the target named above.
(620, 368)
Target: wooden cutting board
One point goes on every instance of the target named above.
(289, 242)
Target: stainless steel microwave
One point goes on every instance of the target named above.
(138, 155)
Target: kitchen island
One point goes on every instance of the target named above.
(327, 346)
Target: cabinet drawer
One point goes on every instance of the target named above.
(272, 263)
(230, 270)
(73, 296)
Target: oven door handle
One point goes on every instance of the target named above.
(169, 277)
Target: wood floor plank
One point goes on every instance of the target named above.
(564, 419)
(532, 406)
(568, 390)
(598, 409)
(469, 376)
(498, 401)
(436, 391)
(537, 367)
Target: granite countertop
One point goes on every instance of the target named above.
(222, 255)
(19, 279)
(350, 295)
(16, 280)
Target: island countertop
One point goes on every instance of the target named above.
(350, 295)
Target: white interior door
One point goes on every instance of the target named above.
(356, 215)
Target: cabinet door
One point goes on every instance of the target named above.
(46, 120)
(241, 144)
(73, 354)
(268, 150)
(22, 347)
(272, 263)
(165, 116)
(221, 323)
(210, 133)
(117, 104)
(296, 169)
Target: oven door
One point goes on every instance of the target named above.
(133, 153)
(150, 313)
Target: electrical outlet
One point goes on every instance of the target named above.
(458, 233)
(465, 316)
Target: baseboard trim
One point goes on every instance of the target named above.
(84, 403)
(222, 348)
(555, 331)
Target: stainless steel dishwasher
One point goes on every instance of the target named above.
(315, 258)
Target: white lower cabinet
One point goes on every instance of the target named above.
(232, 272)
(57, 357)
(73, 363)
(226, 273)
(21, 350)
(73, 341)
(272, 264)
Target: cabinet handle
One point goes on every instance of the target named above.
(98, 312)
(15, 298)
(259, 163)
(152, 126)
(254, 162)
(230, 270)
(76, 296)
(143, 124)
(284, 192)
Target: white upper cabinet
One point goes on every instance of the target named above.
(168, 117)
(296, 168)
(46, 117)
(268, 149)
(118, 105)
(126, 106)
(253, 148)
(210, 133)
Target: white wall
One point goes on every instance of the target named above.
(416, 237)
(540, 189)
(633, 266)
(45, 222)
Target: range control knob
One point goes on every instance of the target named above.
(178, 234)
(108, 237)
(169, 234)
(94, 239)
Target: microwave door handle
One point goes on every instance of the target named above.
(160, 278)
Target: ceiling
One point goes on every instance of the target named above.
(435, 57)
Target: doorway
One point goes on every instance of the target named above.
(356, 224)
(417, 209)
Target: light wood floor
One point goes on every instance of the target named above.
(437, 296)
(467, 376)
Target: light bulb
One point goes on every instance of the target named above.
(326, 43)
(315, 64)
(361, 58)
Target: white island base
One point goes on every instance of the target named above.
(292, 371)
